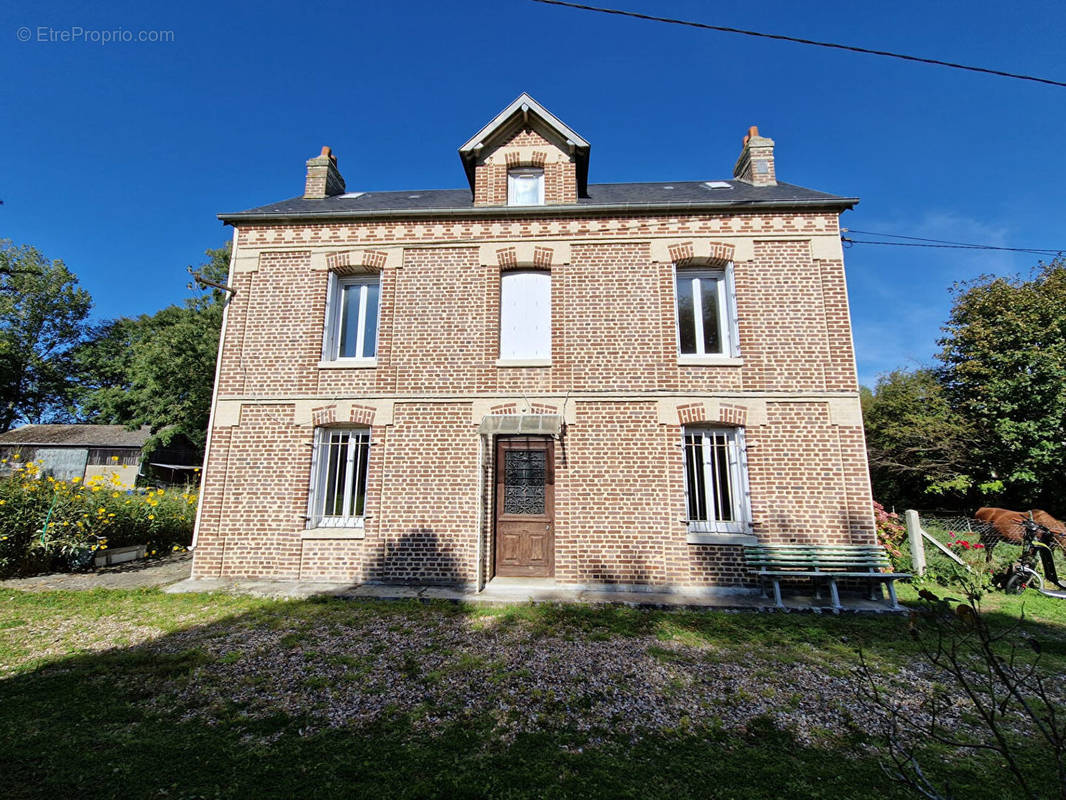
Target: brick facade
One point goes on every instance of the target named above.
(614, 378)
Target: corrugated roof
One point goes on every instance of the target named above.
(612, 197)
(76, 436)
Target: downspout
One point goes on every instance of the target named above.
(214, 393)
(480, 547)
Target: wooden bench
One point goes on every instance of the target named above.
(823, 562)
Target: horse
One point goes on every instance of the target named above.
(1001, 523)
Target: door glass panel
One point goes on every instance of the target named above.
(523, 483)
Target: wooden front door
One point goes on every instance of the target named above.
(525, 507)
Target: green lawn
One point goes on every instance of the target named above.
(139, 694)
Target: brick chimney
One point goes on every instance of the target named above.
(323, 177)
(756, 162)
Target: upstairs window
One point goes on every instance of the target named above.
(525, 186)
(338, 489)
(716, 480)
(705, 322)
(352, 321)
(525, 316)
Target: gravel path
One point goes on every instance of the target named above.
(134, 575)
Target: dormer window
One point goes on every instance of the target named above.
(525, 186)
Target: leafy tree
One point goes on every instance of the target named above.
(157, 369)
(1004, 370)
(915, 441)
(42, 316)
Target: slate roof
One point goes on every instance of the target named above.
(76, 436)
(608, 197)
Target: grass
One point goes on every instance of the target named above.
(131, 694)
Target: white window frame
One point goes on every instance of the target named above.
(510, 358)
(523, 172)
(331, 341)
(737, 463)
(320, 478)
(724, 287)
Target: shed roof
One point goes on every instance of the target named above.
(76, 436)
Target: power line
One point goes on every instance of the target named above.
(832, 45)
(849, 241)
(948, 243)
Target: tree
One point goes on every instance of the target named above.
(916, 443)
(158, 369)
(42, 316)
(1004, 370)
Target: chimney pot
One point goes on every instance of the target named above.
(323, 177)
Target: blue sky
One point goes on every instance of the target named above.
(116, 157)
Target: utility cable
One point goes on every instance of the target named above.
(795, 39)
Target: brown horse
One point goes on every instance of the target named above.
(1005, 525)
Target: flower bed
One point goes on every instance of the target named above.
(48, 524)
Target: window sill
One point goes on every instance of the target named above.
(708, 537)
(332, 533)
(710, 361)
(523, 362)
(349, 363)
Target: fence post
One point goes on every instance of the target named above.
(914, 537)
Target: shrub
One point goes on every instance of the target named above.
(52, 524)
(890, 531)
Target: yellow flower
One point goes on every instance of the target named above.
(101, 510)
(111, 514)
(114, 458)
(103, 547)
(151, 516)
(2, 502)
(16, 456)
(75, 480)
(114, 494)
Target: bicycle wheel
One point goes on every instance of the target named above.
(1023, 579)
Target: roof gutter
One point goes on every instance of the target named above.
(835, 204)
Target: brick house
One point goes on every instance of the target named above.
(534, 376)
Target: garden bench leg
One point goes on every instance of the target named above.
(892, 595)
(777, 593)
(835, 595)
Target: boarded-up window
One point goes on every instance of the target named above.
(525, 315)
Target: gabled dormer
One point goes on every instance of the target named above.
(526, 156)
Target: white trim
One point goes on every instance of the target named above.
(522, 172)
(505, 115)
(710, 361)
(214, 393)
(523, 362)
(317, 519)
(331, 339)
(332, 533)
(699, 537)
(349, 363)
(736, 478)
(728, 322)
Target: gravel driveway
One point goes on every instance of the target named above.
(133, 575)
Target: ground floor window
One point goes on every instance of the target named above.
(716, 480)
(338, 479)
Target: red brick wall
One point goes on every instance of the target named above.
(560, 177)
(620, 488)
